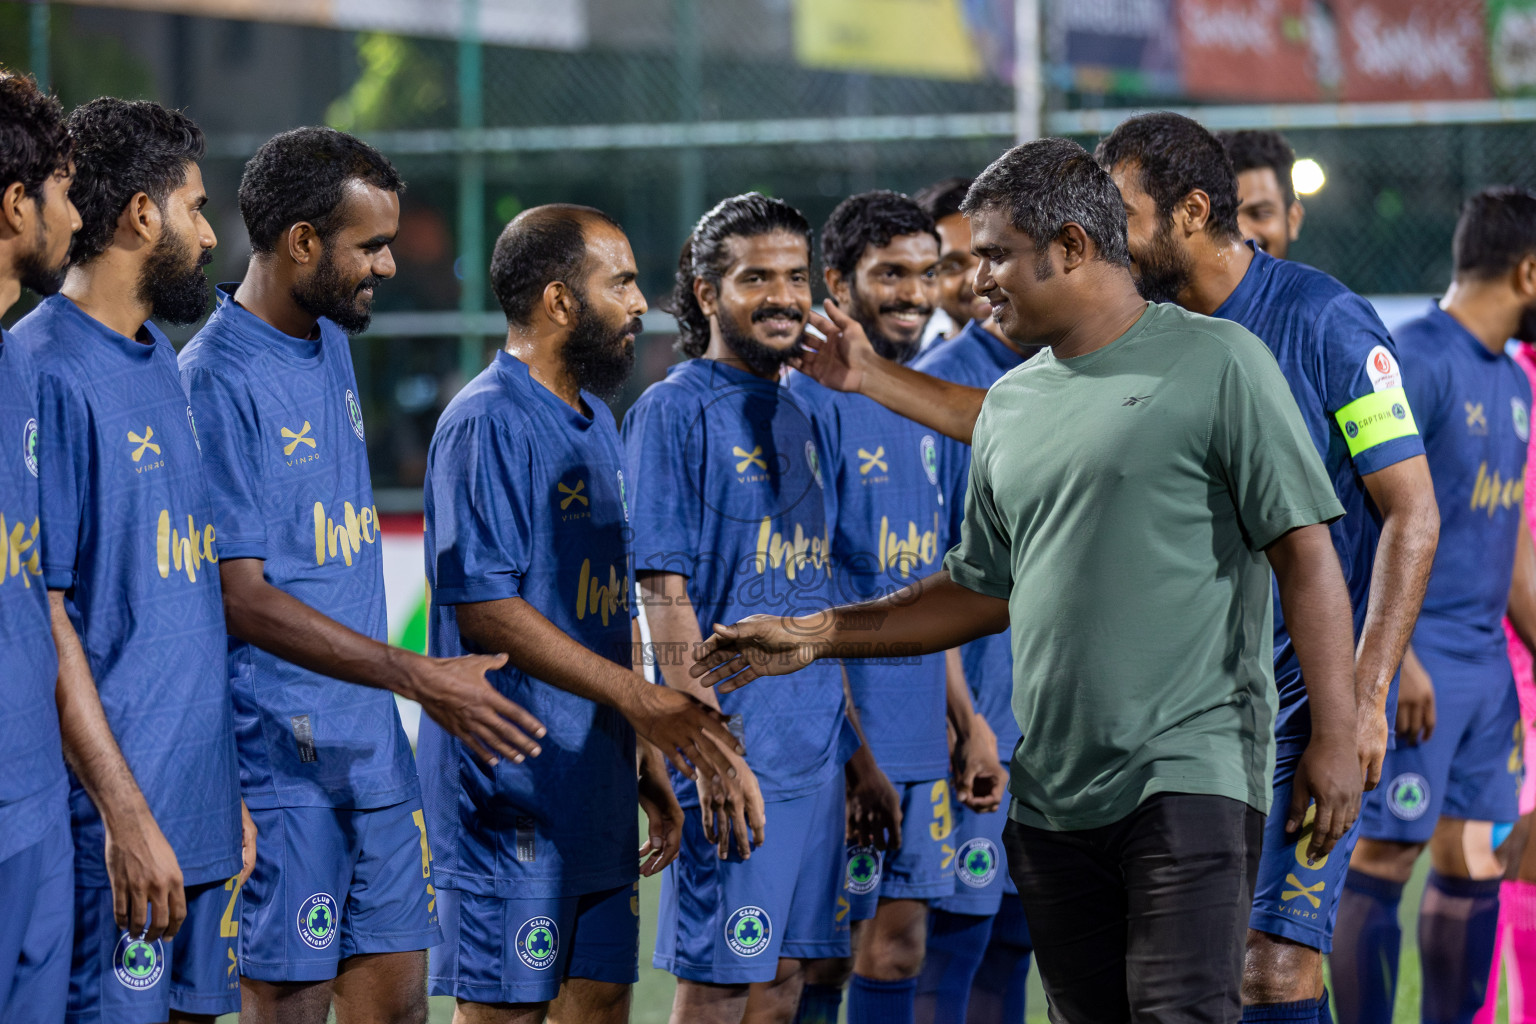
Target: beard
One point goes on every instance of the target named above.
(869, 319)
(172, 282)
(598, 356)
(34, 271)
(1164, 270)
(761, 359)
(327, 295)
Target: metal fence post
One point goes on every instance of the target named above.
(472, 267)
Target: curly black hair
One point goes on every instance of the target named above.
(1255, 149)
(1496, 230)
(122, 148)
(943, 198)
(539, 246)
(34, 144)
(870, 219)
(1175, 155)
(706, 255)
(301, 176)
(1046, 184)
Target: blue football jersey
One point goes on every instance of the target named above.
(31, 758)
(525, 499)
(890, 529)
(1474, 409)
(283, 443)
(976, 358)
(726, 488)
(128, 536)
(1343, 370)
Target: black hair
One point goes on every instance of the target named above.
(1047, 184)
(1254, 150)
(301, 176)
(707, 255)
(943, 198)
(122, 148)
(870, 219)
(540, 245)
(34, 144)
(1496, 230)
(1175, 155)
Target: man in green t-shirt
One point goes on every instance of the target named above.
(1131, 489)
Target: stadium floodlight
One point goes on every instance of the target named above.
(1307, 176)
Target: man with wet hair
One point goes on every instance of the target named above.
(37, 221)
(1181, 203)
(340, 907)
(1132, 557)
(879, 252)
(129, 559)
(977, 964)
(730, 514)
(1268, 212)
(1453, 780)
(528, 557)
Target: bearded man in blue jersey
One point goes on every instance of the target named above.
(37, 221)
(1181, 209)
(130, 559)
(730, 509)
(528, 555)
(341, 902)
(1454, 776)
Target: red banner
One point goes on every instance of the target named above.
(1247, 50)
(1412, 49)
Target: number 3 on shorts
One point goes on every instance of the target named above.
(943, 817)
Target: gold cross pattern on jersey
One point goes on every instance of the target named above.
(572, 494)
(873, 460)
(748, 458)
(144, 443)
(294, 440)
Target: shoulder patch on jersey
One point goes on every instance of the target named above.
(29, 447)
(1381, 368)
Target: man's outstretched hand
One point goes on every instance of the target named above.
(455, 693)
(758, 645)
(691, 735)
(840, 360)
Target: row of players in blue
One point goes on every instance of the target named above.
(728, 493)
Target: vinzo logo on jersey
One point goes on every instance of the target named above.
(930, 453)
(141, 445)
(318, 923)
(192, 425)
(814, 461)
(137, 964)
(1408, 796)
(538, 943)
(29, 446)
(1522, 419)
(863, 873)
(977, 863)
(748, 930)
(355, 414)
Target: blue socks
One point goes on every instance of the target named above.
(819, 1004)
(956, 945)
(1457, 923)
(1367, 940)
(880, 1002)
(998, 994)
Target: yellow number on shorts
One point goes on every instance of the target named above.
(943, 822)
(229, 925)
(1304, 840)
(420, 819)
